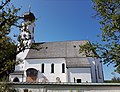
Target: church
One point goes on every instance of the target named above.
(54, 61)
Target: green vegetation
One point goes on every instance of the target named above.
(8, 48)
(115, 79)
(5, 87)
(8, 18)
(108, 13)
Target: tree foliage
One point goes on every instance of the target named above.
(8, 18)
(6, 87)
(8, 48)
(108, 13)
(114, 79)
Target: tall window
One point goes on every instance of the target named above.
(63, 68)
(52, 68)
(42, 68)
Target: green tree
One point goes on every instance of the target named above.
(6, 87)
(108, 13)
(8, 18)
(8, 47)
(115, 78)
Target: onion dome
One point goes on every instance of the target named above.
(28, 16)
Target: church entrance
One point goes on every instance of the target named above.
(32, 75)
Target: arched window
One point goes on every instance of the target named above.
(52, 68)
(16, 79)
(63, 68)
(31, 75)
(42, 68)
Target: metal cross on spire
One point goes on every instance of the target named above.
(29, 8)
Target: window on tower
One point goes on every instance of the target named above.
(33, 30)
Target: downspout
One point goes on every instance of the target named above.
(66, 71)
(91, 74)
(102, 73)
(96, 72)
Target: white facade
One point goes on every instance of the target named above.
(70, 74)
(48, 75)
(81, 74)
(87, 74)
(20, 77)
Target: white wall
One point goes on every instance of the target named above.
(93, 69)
(51, 77)
(20, 67)
(97, 70)
(22, 54)
(79, 73)
(20, 77)
(20, 58)
(68, 87)
(93, 74)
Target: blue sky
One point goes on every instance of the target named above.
(61, 20)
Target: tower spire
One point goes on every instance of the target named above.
(29, 8)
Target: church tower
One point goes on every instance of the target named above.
(26, 37)
(27, 30)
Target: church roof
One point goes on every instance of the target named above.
(67, 49)
(77, 62)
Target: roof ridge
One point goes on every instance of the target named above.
(63, 41)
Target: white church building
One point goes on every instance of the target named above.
(54, 61)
